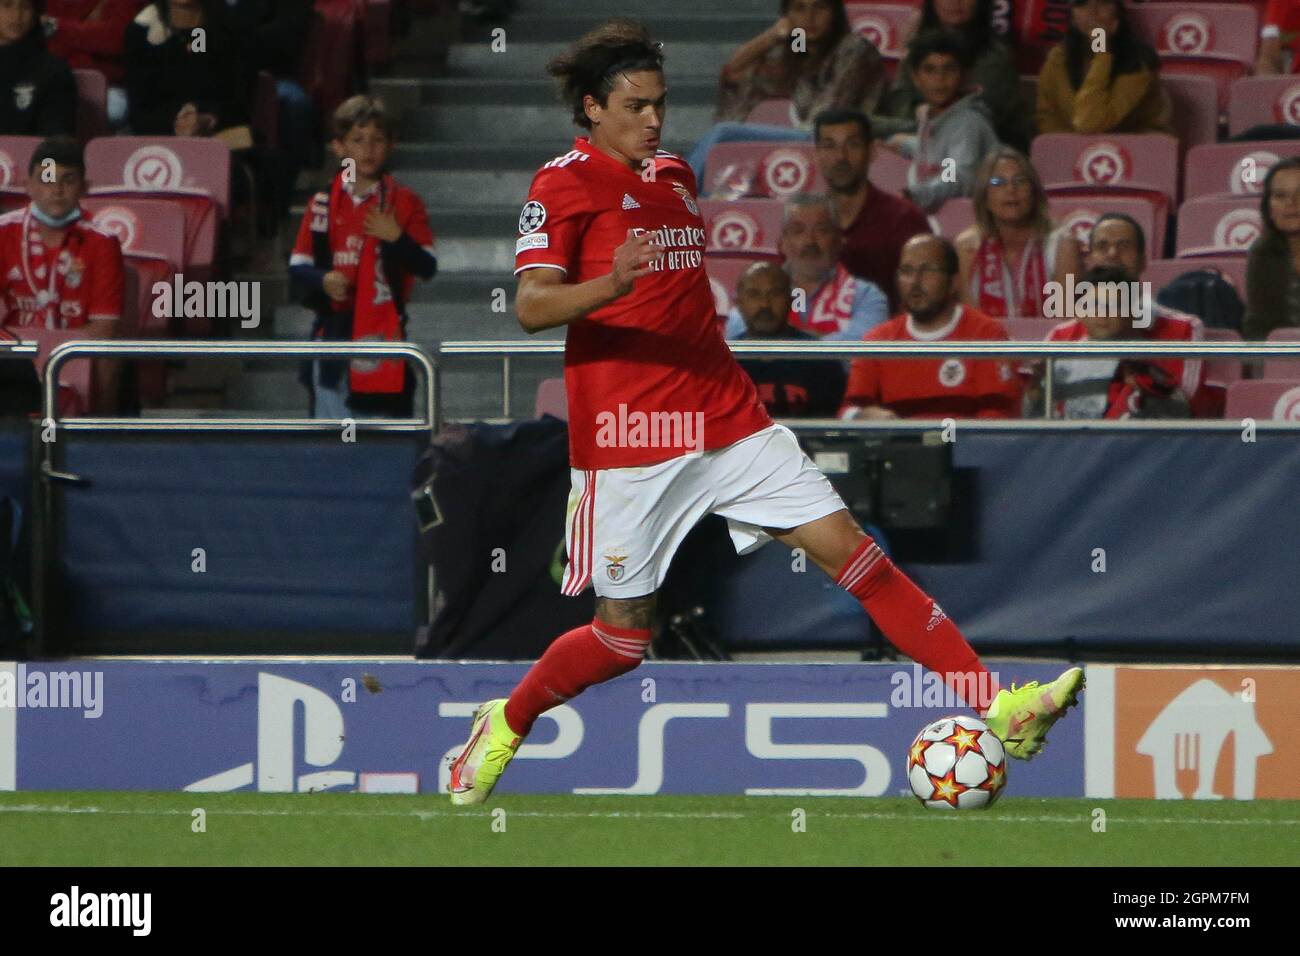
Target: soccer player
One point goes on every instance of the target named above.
(57, 269)
(664, 427)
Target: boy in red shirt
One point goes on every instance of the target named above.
(362, 243)
(939, 387)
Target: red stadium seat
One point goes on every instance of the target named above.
(1212, 226)
(75, 377)
(1080, 212)
(741, 170)
(772, 113)
(1214, 41)
(1264, 399)
(953, 216)
(191, 171)
(552, 399)
(15, 154)
(148, 228)
(1132, 162)
(1222, 372)
(92, 104)
(1029, 329)
(1222, 170)
(745, 227)
(1197, 103)
(724, 273)
(889, 170)
(886, 26)
(1263, 100)
(1283, 369)
(1161, 272)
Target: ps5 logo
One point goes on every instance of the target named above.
(322, 724)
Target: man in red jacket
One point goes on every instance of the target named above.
(89, 35)
(942, 387)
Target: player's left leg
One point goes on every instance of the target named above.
(914, 623)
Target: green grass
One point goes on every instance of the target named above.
(340, 829)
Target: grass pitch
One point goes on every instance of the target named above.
(342, 829)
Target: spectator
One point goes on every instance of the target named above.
(1115, 91)
(38, 96)
(273, 32)
(828, 66)
(1012, 251)
(360, 247)
(1281, 18)
(1125, 388)
(932, 388)
(875, 224)
(1273, 263)
(832, 304)
(787, 387)
(992, 72)
(57, 270)
(953, 129)
(90, 35)
(175, 90)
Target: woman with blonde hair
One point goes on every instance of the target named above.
(1012, 251)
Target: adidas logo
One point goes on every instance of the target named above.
(936, 616)
(629, 202)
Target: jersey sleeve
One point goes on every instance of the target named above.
(107, 280)
(551, 222)
(415, 223)
(302, 253)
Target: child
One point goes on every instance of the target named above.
(359, 248)
(954, 131)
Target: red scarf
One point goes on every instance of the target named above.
(999, 295)
(49, 271)
(375, 317)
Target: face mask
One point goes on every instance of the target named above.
(51, 222)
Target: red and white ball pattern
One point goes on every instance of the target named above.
(957, 763)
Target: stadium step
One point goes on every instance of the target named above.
(509, 123)
(682, 59)
(564, 23)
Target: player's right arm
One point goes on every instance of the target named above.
(544, 299)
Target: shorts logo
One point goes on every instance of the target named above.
(615, 566)
(531, 217)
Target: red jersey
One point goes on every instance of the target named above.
(347, 229)
(1282, 23)
(60, 288)
(1090, 387)
(640, 368)
(937, 388)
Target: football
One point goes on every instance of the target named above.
(957, 763)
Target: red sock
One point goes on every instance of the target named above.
(586, 655)
(915, 624)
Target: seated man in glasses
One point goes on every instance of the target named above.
(941, 387)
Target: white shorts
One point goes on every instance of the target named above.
(625, 524)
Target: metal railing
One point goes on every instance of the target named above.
(1049, 352)
(17, 350)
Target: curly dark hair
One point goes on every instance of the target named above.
(593, 65)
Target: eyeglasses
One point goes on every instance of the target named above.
(907, 272)
(1016, 181)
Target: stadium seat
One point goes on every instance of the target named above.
(1137, 163)
(772, 113)
(1263, 100)
(1264, 399)
(74, 377)
(1196, 108)
(1218, 41)
(1222, 372)
(744, 227)
(15, 154)
(1081, 212)
(1161, 272)
(886, 26)
(1214, 226)
(744, 170)
(1283, 369)
(1220, 169)
(724, 273)
(953, 216)
(149, 228)
(92, 104)
(193, 172)
(552, 399)
(1029, 329)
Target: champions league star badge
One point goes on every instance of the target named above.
(532, 217)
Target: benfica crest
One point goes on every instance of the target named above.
(686, 198)
(615, 566)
